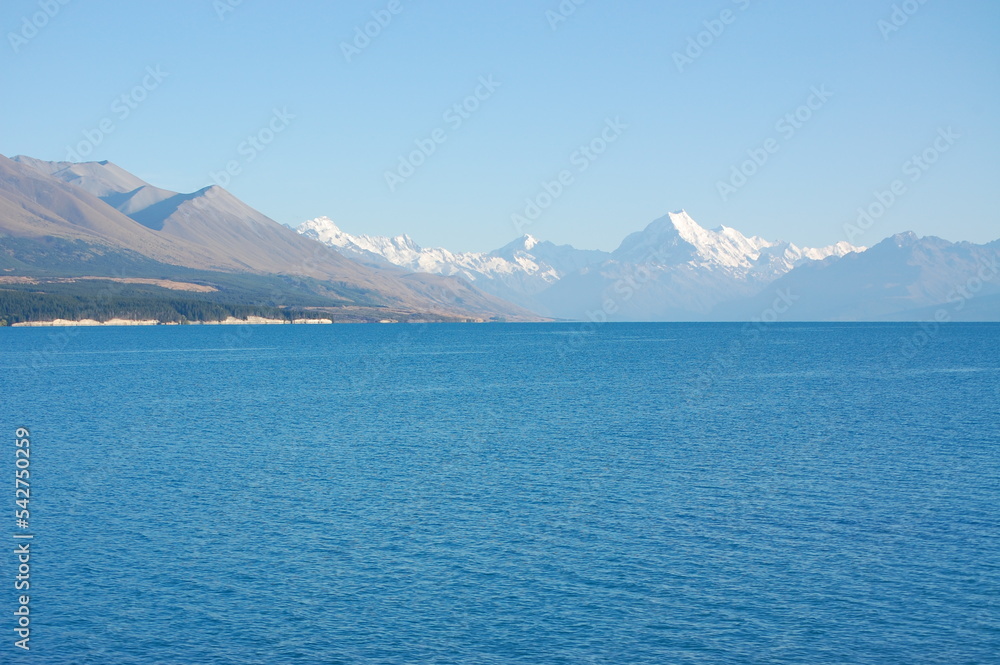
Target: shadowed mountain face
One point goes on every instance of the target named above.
(35, 205)
(903, 278)
(219, 225)
(110, 210)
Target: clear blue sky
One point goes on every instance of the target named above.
(686, 129)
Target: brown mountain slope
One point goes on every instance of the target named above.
(208, 230)
(33, 205)
(220, 226)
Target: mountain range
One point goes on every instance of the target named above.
(706, 267)
(677, 270)
(66, 227)
(94, 219)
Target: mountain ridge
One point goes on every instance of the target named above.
(63, 220)
(100, 211)
(676, 270)
(536, 273)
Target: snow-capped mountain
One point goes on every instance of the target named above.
(515, 272)
(675, 269)
(902, 278)
(676, 239)
(95, 219)
(691, 269)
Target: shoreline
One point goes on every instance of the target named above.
(230, 321)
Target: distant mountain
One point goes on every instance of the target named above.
(65, 227)
(66, 218)
(676, 240)
(516, 272)
(676, 270)
(903, 278)
(672, 270)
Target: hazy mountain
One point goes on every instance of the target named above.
(903, 278)
(676, 270)
(563, 259)
(516, 272)
(672, 270)
(61, 219)
(54, 214)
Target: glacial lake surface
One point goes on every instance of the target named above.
(537, 493)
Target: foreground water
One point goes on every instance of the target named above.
(508, 494)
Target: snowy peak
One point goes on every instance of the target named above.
(906, 239)
(676, 239)
(548, 278)
(693, 233)
(514, 272)
(326, 231)
(523, 245)
(403, 252)
(841, 248)
(400, 250)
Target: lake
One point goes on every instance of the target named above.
(509, 493)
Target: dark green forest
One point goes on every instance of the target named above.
(21, 305)
(56, 265)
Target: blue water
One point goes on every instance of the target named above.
(508, 494)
